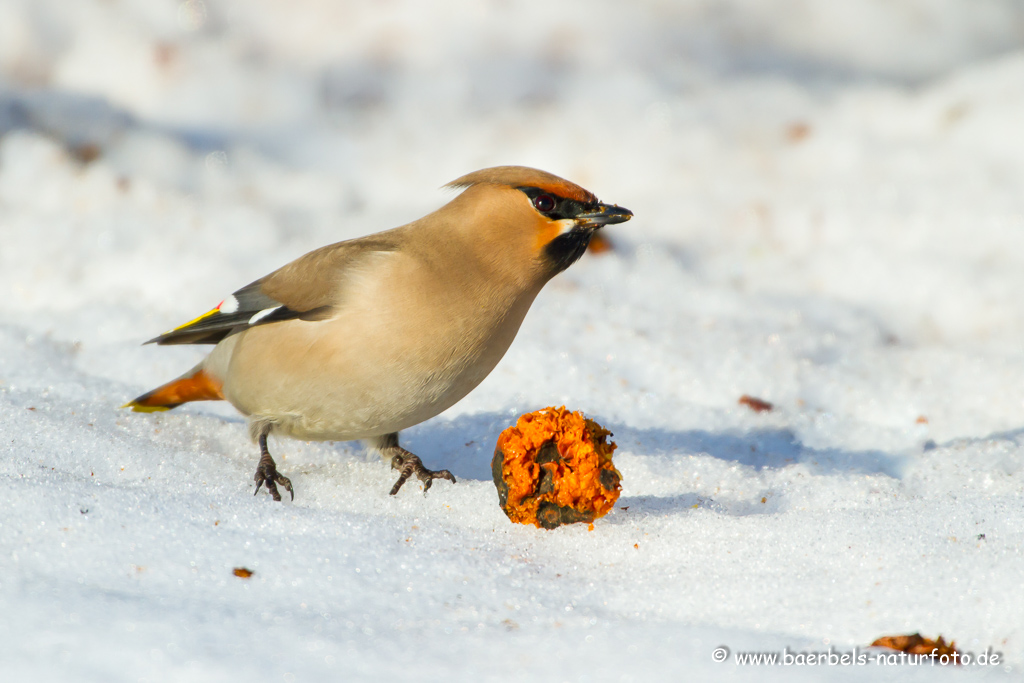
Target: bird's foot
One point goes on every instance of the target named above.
(408, 464)
(266, 473)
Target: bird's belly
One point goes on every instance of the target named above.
(352, 384)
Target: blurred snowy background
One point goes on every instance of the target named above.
(829, 203)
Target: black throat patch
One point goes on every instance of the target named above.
(566, 249)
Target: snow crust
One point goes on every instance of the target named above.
(829, 204)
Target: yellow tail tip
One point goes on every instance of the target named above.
(138, 408)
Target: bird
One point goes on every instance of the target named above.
(363, 338)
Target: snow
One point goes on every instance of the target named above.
(829, 204)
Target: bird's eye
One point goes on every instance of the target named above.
(544, 203)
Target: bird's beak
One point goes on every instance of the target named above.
(604, 214)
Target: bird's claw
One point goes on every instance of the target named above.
(408, 465)
(266, 473)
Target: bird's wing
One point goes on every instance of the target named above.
(308, 288)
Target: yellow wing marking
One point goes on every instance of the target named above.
(190, 323)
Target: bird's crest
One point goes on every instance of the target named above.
(522, 176)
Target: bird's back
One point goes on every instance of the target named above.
(417, 329)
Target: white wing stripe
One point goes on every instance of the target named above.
(262, 314)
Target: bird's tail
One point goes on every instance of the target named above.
(195, 385)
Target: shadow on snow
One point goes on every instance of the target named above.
(465, 446)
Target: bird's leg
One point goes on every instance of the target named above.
(266, 473)
(407, 464)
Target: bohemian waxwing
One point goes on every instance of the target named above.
(364, 338)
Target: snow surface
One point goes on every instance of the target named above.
(829, 205)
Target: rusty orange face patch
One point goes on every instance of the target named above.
(548, 230)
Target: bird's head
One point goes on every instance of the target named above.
(546, 219)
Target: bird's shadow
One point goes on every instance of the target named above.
(465, 445)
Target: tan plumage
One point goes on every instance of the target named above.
(364, 338)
